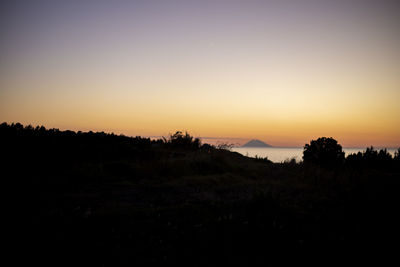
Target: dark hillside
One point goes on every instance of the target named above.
(104, 199)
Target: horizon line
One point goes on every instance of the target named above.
(200, 137)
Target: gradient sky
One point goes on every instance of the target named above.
(284, 72)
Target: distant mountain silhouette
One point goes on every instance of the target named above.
(256, 143)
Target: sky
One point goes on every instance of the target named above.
(284, 72)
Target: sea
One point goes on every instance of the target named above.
(281, 154)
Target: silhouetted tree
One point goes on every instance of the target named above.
(397, 154)
(370, 158)
(324, 151)
(180, 140)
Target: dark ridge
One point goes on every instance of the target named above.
(97, 199)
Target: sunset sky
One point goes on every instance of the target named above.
(284, 72)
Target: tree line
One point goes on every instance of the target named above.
(327, 152)
(20, 141)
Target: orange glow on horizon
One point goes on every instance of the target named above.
(284, 74)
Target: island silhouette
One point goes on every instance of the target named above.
(256, 143)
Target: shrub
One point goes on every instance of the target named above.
(225, 146)
(324, 151)
(370, 158)
(397, 154)
(186, 141)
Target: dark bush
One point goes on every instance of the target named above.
(370, 158)
(324, 152)
(185, 141)
(397, 154)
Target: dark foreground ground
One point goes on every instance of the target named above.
(104, 200)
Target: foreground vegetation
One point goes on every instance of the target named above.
(105, 199)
